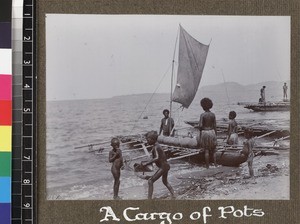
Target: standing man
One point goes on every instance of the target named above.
(285, 91)
(208, 131)
(167, 124)
(263, 94)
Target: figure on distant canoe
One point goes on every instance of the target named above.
(247, 150)
(232, 135)
(208, 131)
(285, 88)
(263, 94)
(160, 159)
(167, 124)
(115, 157)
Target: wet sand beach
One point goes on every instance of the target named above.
(270, 182)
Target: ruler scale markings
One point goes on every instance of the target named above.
(28, 113)
(23, 112)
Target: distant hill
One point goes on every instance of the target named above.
(232, 90)
(249, 93)
(234, 86)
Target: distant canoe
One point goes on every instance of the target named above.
(269, 106)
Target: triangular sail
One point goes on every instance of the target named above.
(192, 57)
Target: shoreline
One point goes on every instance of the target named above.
(271, 181)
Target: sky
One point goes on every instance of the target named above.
(101, 56)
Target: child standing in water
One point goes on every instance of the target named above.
(208, 131)
(248, 149)
(115, 157)
(160, 159)
(232, 135)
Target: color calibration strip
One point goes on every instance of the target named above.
(17, 47)
(5, 111)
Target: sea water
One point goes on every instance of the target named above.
(75, 173)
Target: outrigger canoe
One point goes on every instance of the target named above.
(269, 106)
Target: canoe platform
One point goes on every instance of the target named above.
(260, 127)
(186, 148)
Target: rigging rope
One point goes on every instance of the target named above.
(224, 81)
(172, 64)
(150, 99)
(228, 101)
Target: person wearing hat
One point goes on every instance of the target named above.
(160, 159)
(167, 124)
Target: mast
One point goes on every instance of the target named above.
(171, 95)
(172, 75)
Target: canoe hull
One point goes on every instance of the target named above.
(269, 106)
(225, 158)
(232, 159)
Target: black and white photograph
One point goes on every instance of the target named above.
(167, 107)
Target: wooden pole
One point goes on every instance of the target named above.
(183, 156)
(264, 135)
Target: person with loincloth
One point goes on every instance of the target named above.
(247, 150)
(160, 159)
(263, 94)
(167, 124)
(115, 157)
(232, 135)
(208, 131)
